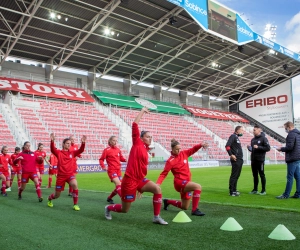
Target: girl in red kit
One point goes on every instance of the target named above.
(134, 178)
(5, 160)
(178, 164)
(16, 169)
(28, 160)
(113, 157)
(52, 169)
(65, 169)
(40, 167)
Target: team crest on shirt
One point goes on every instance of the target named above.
(32, 154)
(184, 161)
(70, 156)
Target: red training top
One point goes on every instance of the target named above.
(74, 147)
(113, 157)
(4, 161)
(13, 157)
(53, 160)
(43, 154)
(138, 156)
(179, 165)
(65, 158)
(29, 162)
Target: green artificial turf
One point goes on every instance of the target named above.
(28, 224)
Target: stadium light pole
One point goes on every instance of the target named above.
(270, 32)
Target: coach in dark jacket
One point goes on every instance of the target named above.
(292, 158)
(235, 151)
(259, 146)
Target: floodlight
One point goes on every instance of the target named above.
(173, 20)
(106, 31)
(52, 15)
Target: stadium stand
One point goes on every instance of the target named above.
(65, 119)
(6, 137)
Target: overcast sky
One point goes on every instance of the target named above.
(284, 14)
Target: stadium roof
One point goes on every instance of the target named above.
(141, 45)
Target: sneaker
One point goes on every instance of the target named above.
(110, 201)
(50, 204)
(166, 204)
(295, 196)
(8, 189)
(197, 212)
(159, 220)
(281, 197)
(70, 194)
(262, 193)
(253, 192)
(76, 208)
(19, 197)
(234, 194)
(41, 199)
(4, 195)
(107, 213)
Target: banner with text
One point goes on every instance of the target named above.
(214, 114)
(272, 107)
(44, 89)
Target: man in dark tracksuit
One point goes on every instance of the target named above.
(292, 159)
(259, 146)
(234, 149)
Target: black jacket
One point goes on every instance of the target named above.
(234, 147)
(259, 154)
(292, 146)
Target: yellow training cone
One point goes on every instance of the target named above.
(281, 233)
(231, 225)
(181, 217)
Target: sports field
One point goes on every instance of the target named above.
(28, 224)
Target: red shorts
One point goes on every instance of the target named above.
(179, 186)
(53, 170)
(114, 174)
(25, 177)
(6, 174)
(62, 180)
(40, 170)
(130, 186)
(16, 170)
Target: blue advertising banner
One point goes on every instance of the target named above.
(196, 8)
(244, 32)
(276, 47)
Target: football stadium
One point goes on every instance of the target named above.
(102, 99)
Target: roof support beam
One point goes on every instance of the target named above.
(109, 8)
(139, 39)
(34, 10)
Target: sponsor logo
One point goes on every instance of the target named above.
(120, 178)
(189, 194)
(195, 7)
(129, 197)
(72, 177)
(24, 179)
(259, 39)
(145, 179)
(267, 101)
(258, 142)
(268, 42)
(177, 2)
(32, 154)
(70, 156)
(183, 182)
(34, 175)
(58, 187)
(245, 31)
(288, 52)
(184, 161)
(114, 174)
(281, 50)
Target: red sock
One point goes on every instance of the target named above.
(157, 203)
(19, 183)
(175, 203)
(51, 197)
(20, 191)
(196, 199)
(70, 190)
(3, 187)
(115, 208)
(49, 182)
(113, 193)
(75, 196)
(38, 190)
(118, 190)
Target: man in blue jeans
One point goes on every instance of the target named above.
(292, 158)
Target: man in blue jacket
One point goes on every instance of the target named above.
(292, 158)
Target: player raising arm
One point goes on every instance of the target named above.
(178, 164)
(65, 169)
(135, 175)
